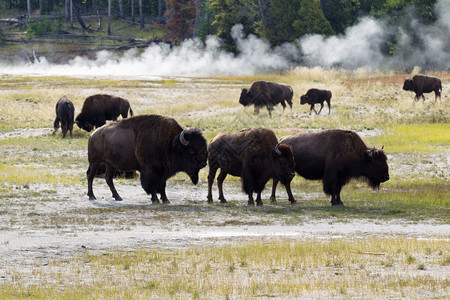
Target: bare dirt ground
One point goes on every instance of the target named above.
(59, 223)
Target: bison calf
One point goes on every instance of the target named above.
(268, 94)
(335, 157)
(65, 112)
(99, 108)
(156, 146)
(316, 96)
(252, 154)
(420, 84)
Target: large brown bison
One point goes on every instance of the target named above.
(252, 154)
(158, 147)
(268, 94)
(65, 112)
(335, 157)
(316, 96)
(99, 108)
(420, 84)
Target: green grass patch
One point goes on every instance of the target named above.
(327, 268)
(434, 137)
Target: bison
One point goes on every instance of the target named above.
(335, 157)
(99, 108)
(252, 154)
(420, 84)
(268, 94)
(65, 112)
(316, 96)
(156, 146)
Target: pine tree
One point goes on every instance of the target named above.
(311, 19)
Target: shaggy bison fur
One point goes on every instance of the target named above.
(268, 94)
(65, 112)
(335, 157)
(421, 84)
(156, 146)
(252, 154)
(99, 108)
(316, 96)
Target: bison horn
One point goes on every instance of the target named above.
(371, 151)
(382, 147)
(277, 151)
(183, 141)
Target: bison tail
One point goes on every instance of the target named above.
(131, 112)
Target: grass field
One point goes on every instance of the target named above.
(41, 173)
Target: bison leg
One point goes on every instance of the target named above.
(258, 199)
(250, 199)
(273, 197)
(90, 173)
(437, 94)
(256, 110)
(64, 129)
(110, 171)
(55, 125)
(220, 179)
(70, 130)
(162, 192)
(270, 108)
(155, 198)
(321, 106)
(329, 106)
(311, 109)
(211, 175)
(147, 183)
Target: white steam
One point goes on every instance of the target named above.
(191, 58)
(358, 47)
(361, 46)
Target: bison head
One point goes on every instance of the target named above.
(283, 163)
(190, 150)
(246, 98)
(408, 85)
(377, 168)
(304, 99)
(83, 123)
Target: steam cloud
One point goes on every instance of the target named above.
(359, 47)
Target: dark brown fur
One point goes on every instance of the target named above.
(152, 145)
(335, 157)
(268, 94)
(251, 155)
(99, 108)
(316, 96)
(420, 84)
(65, 112)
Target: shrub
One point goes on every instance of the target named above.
(42, 27)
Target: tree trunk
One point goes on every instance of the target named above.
(67, 10)
(41, 7)
(121, 12)
(71, 13)
(109, 17)
(141, 14)
(133, 19)
(28, 9)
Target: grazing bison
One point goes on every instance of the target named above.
(99, 108)
(335, 157)
(268, 94)
(65, 112)
(316, 96)
(420, 84)
(252, 154)
(158, 147)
